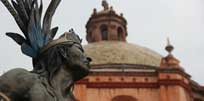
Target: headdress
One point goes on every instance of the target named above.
(37, 37)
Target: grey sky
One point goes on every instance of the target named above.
(150, 22)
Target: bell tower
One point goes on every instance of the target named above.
(106, 25)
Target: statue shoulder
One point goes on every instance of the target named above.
(18, 75)
(18, 81)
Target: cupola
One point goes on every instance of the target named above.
(106, 25)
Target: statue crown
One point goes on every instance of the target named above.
(67, 38)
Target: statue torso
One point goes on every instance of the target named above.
(21, 85)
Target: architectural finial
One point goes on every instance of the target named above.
(169, 48)
(121, 14)
(168, 41)
(105, 5)
(94, 11)
(169, 60)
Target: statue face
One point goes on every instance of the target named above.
(78, 61)
(70, 56)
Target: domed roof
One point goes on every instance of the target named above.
(116, 52)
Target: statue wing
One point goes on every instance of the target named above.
(16, 37)
(14, 14)
(28, 14)
(48, 19)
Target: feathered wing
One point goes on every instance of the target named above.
(16, 37)
(53, 32)
(48, 19)
(28, 14)
(14, 14)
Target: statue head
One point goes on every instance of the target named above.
(65, 52)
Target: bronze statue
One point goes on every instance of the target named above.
(57, 63)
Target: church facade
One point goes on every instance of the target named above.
(122, 71)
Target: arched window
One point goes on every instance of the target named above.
(104, 32)
(124, 98)
(120, 33)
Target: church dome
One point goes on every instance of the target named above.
(107, 45)
(116, 52)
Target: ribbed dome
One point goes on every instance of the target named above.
(115, 52)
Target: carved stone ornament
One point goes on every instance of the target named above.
(57, 63)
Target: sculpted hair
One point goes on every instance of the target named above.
(51, 60)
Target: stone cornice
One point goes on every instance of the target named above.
(121, 85)
(125, 67)
(174, 70)
(134, 84)
(124, 74)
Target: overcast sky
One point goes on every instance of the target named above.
(150, 22)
